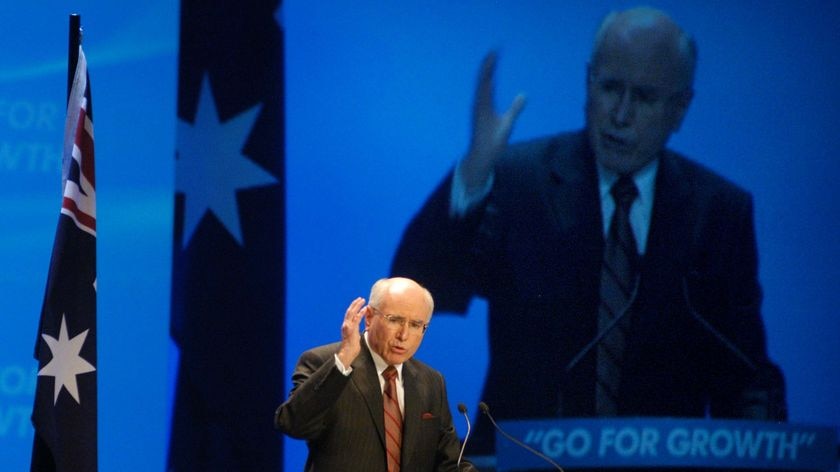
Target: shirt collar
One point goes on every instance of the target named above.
(380, 363)
(643, 178)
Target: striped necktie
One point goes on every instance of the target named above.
(618, 278)
(393, 419)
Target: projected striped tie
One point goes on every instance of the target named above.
(618, 275)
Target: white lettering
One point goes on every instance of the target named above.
(629, 441)
(699, 441)
(721, 443)
(772, 437)
(14, 380)
(9, 160)
(14, 419)
(677, 442)
(29, 157)
(25, 115)
(579, 443)
(555, 442)
(747, 443)
(650, 441)
(788, 447)
(47, 116)
(607, 439)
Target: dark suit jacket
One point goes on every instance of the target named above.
(342, 419)
(534, 251)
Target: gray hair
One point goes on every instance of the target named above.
(686, 45)
(382, 286)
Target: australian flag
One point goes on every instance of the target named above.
(64, 413)
(228, 276)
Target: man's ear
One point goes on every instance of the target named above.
(368, 316)
(680, 106)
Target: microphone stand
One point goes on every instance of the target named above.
(729, 345)
(600, 335)
(486, 410)
(463, 409)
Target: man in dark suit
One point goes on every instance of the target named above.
(525, 226)
(336, 403)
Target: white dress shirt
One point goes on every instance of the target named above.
(381, 365)
(460, 202)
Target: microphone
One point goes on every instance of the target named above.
(598, 337)
(486, 410)
(723, 340)
(463, 409)
(765, 399)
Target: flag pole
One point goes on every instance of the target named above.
(75, 39)
(65, 408)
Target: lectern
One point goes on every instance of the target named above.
(667, 442)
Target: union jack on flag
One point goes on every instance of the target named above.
(78, 179)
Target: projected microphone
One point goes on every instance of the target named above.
(486, 410)
(600, 335)
(463, 409)
(723, 340)
(767, 392)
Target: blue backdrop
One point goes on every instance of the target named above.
(378, 99)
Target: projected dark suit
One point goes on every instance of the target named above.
(341, 417)
(534, 248)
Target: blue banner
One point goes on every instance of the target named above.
(651, 442)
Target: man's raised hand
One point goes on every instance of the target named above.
(350, 338)
(490, 130)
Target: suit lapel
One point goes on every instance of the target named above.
(366, 381)
(411, 416)
(669, 238)
(572, 192)
(573, 188)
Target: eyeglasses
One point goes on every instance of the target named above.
(397, 321)
(647, 98)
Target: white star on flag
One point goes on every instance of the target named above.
(211, 167)
(66, 363)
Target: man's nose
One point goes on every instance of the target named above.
(622, 113)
